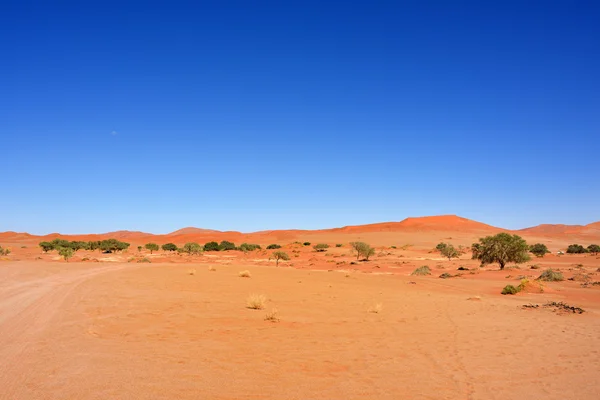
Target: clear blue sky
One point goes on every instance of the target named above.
(250, 115)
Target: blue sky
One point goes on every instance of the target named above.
(265, 115)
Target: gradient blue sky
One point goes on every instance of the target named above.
(252, 115)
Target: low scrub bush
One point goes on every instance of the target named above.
(510, 289)
(424, 270)
(550, 275)
(273, 246)
(244, 274)
(256, 301)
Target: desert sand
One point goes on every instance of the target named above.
(111, 327)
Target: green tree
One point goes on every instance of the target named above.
(321, 247)
(58, 242)
(280, 255)
(501, 248)
(594, 249)
(447, 250)
(66, 252)
(93, 245)
(192, 248)
(46, 246)
(539, 249)
(152, 247)
(112, 245)
(576, 249)
(362, 249)
(226, 246)
(169, 247)
(78, 245)
(211, 246)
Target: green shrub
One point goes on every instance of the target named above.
(273, 246)
(192, 248)
(550, 275)
(66, 252)
(510, 289)
(46, 246)
(576, 249)
(321, 247)
(539, 249)
(306, 243)
(424, 270)
(4, 252)
(226, 246)
(249, 247)
(445, 275)
(463, 268)
(152, 247)
(393, 247)
(211, 246)
(169, 247)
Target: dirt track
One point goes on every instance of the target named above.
(131, 331)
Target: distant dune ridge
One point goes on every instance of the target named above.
(435, 225)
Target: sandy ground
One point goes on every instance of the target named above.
(154, 331)
(108, 326)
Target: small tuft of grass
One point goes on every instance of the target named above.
(534, 266)
(510, 289)
(272, 316)
(424, 270)
(256, 301)
(550, 275)
(244, 274)
(144, 260)
(212, 268)
(191, 271)
(376, 308)
(446, 275)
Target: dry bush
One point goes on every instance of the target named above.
(256, 301)
(244, 274)
(191, 271)
(376, 308)
(424, 270)
(550, 275)
(272, 316)
(212, 268)
(144, 260)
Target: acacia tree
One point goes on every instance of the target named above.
(169, 247)
(501, 248)
(447, 250)
(594, 249)
(46, 246)
(192, 248)
(280, 255)
(66, 252)
(362, 249)
(576, 249)
(152, 247)
(539, 249)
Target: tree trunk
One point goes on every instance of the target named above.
(277, 262)
(501, 265)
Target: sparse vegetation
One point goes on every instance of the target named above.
(66, 253)
(539, 249)
(211, 246)
(280, 255)
(446, 275)
(192, 248)
(169, 247)
(510, 289)
(362, 249)
(46, 246)
(244, 274)
(4, 251)
(139, 249)
(321, 247)
(501, 248)
(144, 260)
(256, 301)
(191, 271)
(594, 249)
(245, 247)
(338, 245)
(272, 316)
(424, 270)
(151, 246)
(447, 250)
(550, 275)
(226, 246)
(576, 249)
(306, 243)
(273, 246)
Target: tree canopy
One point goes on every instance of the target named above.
(447, 250)
(594, 249)
(576, 249)
(280, 255)
(502, 249)
(169, 247)
(539, 249)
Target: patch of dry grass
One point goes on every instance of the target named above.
(376, 308)
(256, 301)
(212, 268)
(244, 274)
(191, 271)
(272, 316)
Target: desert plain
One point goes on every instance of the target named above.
(107, 326)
